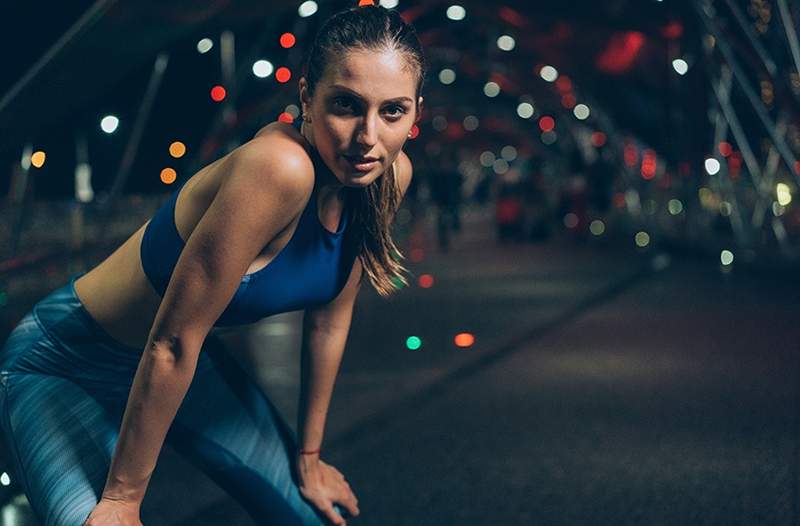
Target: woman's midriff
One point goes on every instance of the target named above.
(118, 294)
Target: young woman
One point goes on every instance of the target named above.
(106, 368)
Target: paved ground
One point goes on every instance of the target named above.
(598, 391)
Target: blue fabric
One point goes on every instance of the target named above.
(64, 384)
(311, 270)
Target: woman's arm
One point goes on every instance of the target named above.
(259, 196)
(325, 331)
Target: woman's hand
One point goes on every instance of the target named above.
(109, 512)
(323, 485)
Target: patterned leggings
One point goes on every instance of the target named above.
(64, 384)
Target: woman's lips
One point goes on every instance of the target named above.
(362, 164)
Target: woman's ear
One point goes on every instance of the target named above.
(305, 98)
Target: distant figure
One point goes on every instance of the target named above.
(445, 183)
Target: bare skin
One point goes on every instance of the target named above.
(117, 292)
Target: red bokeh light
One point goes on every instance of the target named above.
(283, 74)
(287, 40)
(547, 123)
(286, 117)
(598, 139)
(426, 281)
(725, 148)
(217, 93)
(417, 255)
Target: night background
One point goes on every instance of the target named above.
(601, 325)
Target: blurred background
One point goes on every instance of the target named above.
(602, 232)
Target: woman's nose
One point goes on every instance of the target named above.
(367, 134)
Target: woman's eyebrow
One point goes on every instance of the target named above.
(359, 97)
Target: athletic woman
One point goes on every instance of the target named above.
(104, 370)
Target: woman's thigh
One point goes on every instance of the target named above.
(60, 440)
(228, 427)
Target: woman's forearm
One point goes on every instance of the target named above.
(321, 355)
(162, 379)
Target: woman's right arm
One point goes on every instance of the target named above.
(259, 196)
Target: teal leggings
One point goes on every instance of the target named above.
(64, 384)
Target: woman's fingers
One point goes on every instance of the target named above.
(333, 516)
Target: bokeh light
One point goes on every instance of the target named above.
(581, 112)
(508, 152)
(204, 45)
(283, 74)
(547, 123)
(287, 40)
(675, 206)
(307, 8)
(525, 110)
(168, 175)
(642, 239)
(38, 158)
(680, 66)
(464, 339)
(726, 257)
(447, 76)
(548, 73)
(506, 42)
(471, 123)
(389, 4)
(597, 227)
(217, 93)
(286, 117)
(784, 194)
(712, 166)
(426, 281)
(413, 343)
(456, 12)
(262, 68)
(491, 89)
(109, 123)
(177, 149)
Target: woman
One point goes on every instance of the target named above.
(85, 412)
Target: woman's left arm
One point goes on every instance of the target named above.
(325, 331)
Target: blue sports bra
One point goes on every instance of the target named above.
(310, 270)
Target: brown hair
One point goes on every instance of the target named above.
(372, 208)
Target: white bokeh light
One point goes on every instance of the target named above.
(204, 45)
(456, 12)
(307, 8)
(712, 166)
(491, 89)
(109, 123)
(680, 66)
(548, 73)
(262, 68)
(389, 4)
(525, 110)
(447, 76)
(506, 43)
(581, 112)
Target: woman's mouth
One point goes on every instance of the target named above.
(362, 164)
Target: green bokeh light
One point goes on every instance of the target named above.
(413, 343)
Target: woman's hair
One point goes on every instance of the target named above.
(370, 28)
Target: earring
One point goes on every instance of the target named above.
(306, 118)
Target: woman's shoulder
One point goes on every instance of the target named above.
(276, 154)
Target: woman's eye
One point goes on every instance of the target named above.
(342, 103)
(395, 111)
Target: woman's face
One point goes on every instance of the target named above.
(361, 113)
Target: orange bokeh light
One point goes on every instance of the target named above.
(464, 339)
(177, 149)
(168, 176)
